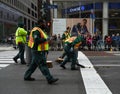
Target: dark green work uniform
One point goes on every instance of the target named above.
(39, 59)
(71, 53)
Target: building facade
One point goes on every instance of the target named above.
(105, 14)
(14, 11)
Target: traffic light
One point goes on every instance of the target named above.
(48, 24)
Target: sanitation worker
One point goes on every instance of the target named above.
(70, 45)
(20, 38)
(38, 42)
(65, 36)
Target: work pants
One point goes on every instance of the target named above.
(38, 60)
(70, 57)
(20, 54)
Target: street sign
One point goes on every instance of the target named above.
(52, 6)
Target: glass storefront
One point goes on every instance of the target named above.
(6, 30)
(9, 19)
(93, 10)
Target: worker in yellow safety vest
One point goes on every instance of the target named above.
(38, 42)
(65, 36)
(70, 45)
(20, 38)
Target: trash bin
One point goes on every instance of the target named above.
(28, 54)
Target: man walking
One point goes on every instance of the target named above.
(38, 42)
(65, 36)
(20, 42)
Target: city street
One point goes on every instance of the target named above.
(101, 75)
(92, 26)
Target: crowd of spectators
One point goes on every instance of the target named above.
(91, 42)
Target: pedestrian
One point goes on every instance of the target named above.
(114, 39)
(20, 38)
(117, 41)
(65, 36)
(89, 42)
(59, 42)
(109, 42)
(54, 44)
(38, 42)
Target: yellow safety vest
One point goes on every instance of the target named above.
(20, 35)
(67, 36)
(42, 46)
(77, 45)
(70, 40)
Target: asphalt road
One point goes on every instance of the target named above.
(71, 82)
(109, 69)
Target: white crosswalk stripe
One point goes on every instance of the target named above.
(93, 83)
(3, 65)
(5, 62)
(6, 58)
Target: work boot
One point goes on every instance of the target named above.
(15, 60)
(53, 80)
(63, 66)
(29, 79)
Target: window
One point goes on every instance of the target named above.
(12, 2)
(13, 17)
(35, 8)
(32, 23)
(1, 14)
(32, 13)
(28, 24)
(8, 15)
(28, 10)
(25, 22)
(32, 5)
(15, 3)
(35, 15)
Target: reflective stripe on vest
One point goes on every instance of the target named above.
(42, 46)
(67, 36)
(77, 45)
(70, 39)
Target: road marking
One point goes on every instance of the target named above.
(92, 81)
(6, 58)
(3, 65)
(107, 65)
(117, 53)
(4, 62)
